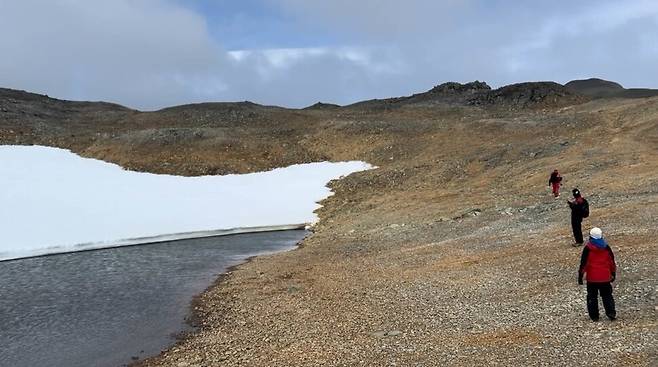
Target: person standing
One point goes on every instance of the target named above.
(555, 181)
(579, 210)
(597, 263)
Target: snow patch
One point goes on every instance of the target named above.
(52, 200)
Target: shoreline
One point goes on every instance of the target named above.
(194, 318)
(152, 240)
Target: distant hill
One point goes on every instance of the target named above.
(599, 88)
(521, 95)
(322, 106)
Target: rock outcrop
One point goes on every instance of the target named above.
(529, 95)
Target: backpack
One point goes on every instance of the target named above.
(584, 208)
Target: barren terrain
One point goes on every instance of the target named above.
(452, 252)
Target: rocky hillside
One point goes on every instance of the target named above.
(452, 252)
(32, 118)
(219, 138)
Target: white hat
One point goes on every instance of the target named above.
(596, 233)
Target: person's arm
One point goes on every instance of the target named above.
(613, 265)
(583, 263)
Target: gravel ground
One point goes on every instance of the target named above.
(454, 253)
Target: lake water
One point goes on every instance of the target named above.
(101, 308)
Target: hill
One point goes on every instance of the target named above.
(599, 88)
(451, 252)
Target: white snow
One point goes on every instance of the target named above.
(52, 200)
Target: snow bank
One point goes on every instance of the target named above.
(52, 200)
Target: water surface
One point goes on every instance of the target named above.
(101, 308)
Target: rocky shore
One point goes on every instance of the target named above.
(452, 252)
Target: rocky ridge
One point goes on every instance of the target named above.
(515, 96)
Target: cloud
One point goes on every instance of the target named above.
(498, 42)
(382, 20)
(300, 77)
(142, 53)
(155, 53)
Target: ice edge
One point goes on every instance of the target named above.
(149, 240)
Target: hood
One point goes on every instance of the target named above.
(598, 242)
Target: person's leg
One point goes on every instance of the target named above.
(593, 301)
(608, 301)
(576, 226)
(573, 229)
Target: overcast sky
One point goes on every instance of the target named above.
(149, 54)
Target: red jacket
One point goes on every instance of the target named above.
(598, 264)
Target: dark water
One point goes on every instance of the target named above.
(101, 308)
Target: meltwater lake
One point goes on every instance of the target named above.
(102, 308)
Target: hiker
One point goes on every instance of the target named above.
(597, 263)
(555, 181)
(579, 210)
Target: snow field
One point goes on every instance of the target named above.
(52, 200)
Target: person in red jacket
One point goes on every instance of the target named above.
(555, 181)
(597, 263)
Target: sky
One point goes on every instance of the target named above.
(149, 54)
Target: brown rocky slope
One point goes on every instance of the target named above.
(452, 252)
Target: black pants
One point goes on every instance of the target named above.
(576, 226)
(605, 289)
